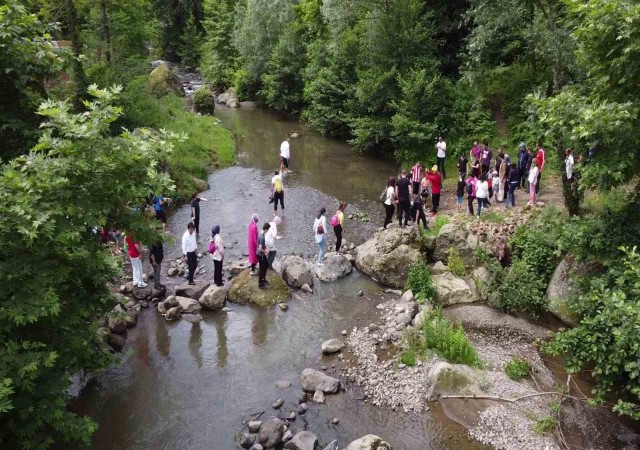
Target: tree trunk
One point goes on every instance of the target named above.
(106, 35)
(78, 72)
(569, 187)
(556, 69)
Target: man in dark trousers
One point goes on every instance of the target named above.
(156, 255)
(195, 210)
(523, 164)
(404, 193)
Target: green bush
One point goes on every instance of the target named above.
(544, 425)
(203, 101)
(517, 288)
(456, 265)
(517, 369)
(440, 221)
(420, 282)
(244, 86)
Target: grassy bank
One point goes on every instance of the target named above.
(209, 144)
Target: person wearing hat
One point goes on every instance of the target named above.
(436, 186)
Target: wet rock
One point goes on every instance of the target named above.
(247, 439)
(171, 302)
(161, 308)
(407, 296)
(332, 346)
(158, 293)
(333, 445)
(312, 380)
(227, 96)
(194, 291)
(360, 293)
(254, 426)
(302, 408)
(214, 297)
(292, 416)
(286, 437)
(344, 332)
(283, 306)
(296, 271)
(126, 288)
(438, 268)
(116, 341)
(192, 318)
(334, 267)
(277, 404)
(306, 288)
(141, 293)
(451, 290)
(304, 440)
(335, 421)
(188, 305)
(237, 266)
(369, 442)
(283, 384)
(397, 292)
(271, 432)
(173, 313)
(458, 379)
(116, 322)
(244, 290)
(144, 304)
(318, 397)
(389, 255)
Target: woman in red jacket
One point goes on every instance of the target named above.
(436, 186)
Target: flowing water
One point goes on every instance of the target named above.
(190, 386)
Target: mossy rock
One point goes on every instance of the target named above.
(163, 81)
(204, 101)
(200, 184)
(244, 290)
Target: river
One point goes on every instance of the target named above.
(190, 386)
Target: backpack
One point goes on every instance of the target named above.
(278, 184)
(335, 221)
(212, 247)
(469, 188)
(320, 229)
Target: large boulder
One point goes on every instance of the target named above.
(204, 101)
(454, 379)
(228, 98)
(455, 236)
(244, 290)
(369, 442)
(312, 380)
(304, 440)
(163, 81)
(389, 255)
(335, 266)
(480, 277)
(451, 290)
(271, 432)
(193, 291)
(296, 271)
(214, 297)
(559, 292)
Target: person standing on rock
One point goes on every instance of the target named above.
(534, 176)
(441, 148)
(436, 188)
(252, 243)
(217, 255)
(158, 206)
(482, 192)
(261, 253)
(388, 198)
(336, 223)
(134, 250)
(277, 192)
(156, 255)
(195, 210)
(270, 239)
(403, 196)
(319, 230)
(285, 154)
(189, 249)
(416, 176)
(523, 163)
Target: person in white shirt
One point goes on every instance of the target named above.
(568, 164)
(285, 154)
(189, 248)
(218, 255)
(533, 181)
(441, 147)
(482, 192)
(270, 240)
(388, 198)
(277, 192)
(320, 232)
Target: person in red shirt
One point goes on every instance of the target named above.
(436, 186)
(541, 158)
(135, 254)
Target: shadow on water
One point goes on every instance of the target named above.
(190, 386)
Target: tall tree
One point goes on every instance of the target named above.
(106, 36)
(79, 78)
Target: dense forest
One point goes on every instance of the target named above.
(389, 76)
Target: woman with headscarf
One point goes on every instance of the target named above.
(270, 240)
(252, 243)
(217, 255)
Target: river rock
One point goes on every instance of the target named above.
(389, 255)
(227, 95)
(451, 290)
(192, 318)
(116, 341)
(333, 445)
(271, 433)
(457, 379)
(158, 293)
(172, 271)
(407, 296)
(163, 81)
(117, 322)
(403, 319)
(247, 440)
(254, 426)
(332, 346)
(369, 442)
(188, 305)
(318, 397)
(559, 292)
(236, 267)
(306, 288)
(438, 268)
(161, 308)
(422, 316)
(454, 236)
(214, 297)
(335, 266)
(257, 447)
(277, 404)
(480, 277)
(233, 103)
(193, 291)
(304, 440)
(296, 271)
(312, 380)
(244, 290)
(173, 313)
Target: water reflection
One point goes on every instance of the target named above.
(261, 324)
(220, 322)
(195, 344)
(163, 340)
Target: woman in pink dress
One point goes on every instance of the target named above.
(252, 243)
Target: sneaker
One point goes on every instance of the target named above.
(191, 283)
(320, 264)
(142, 285)
(253, 273)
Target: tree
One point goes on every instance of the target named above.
(219, 56)
(26, 60)
(53, 269)
(79, 78)
(106, 35)
(190, 42)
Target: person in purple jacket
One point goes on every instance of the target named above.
(487, 155)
